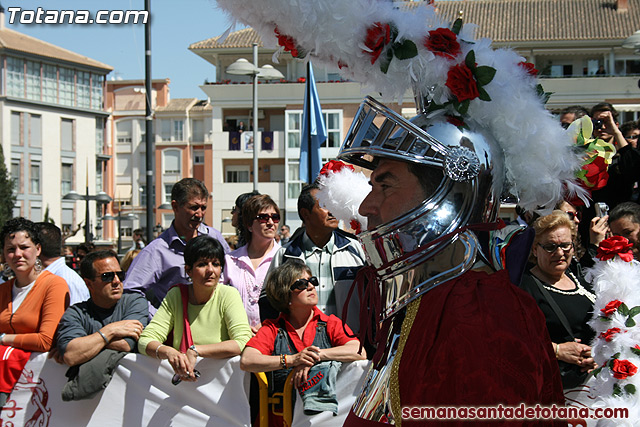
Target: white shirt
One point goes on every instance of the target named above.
(19, 294)
(78, 290)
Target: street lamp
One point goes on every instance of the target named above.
(243, 67)
(101, 197)
(119, 218)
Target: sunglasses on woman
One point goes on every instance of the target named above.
(574, 215)
(110, 275)
(302, 284)
(552, 247)
(263, 218)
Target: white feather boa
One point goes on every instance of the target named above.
(615, 280)
(539, 162)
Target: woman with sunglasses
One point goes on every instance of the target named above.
(217, 322)
(247, 266)
(302, 335)
(565, 299)
(31, 303)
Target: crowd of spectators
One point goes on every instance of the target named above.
(274, 296)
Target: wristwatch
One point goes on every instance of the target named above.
(193, 347)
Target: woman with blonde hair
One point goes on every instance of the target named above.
(565, 299)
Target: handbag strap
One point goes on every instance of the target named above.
(554, 306)
(187, 340)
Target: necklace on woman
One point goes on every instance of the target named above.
(579, 290)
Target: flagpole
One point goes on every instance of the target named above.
(309, 148)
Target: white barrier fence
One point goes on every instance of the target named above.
(141, 394)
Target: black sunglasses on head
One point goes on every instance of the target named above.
(302, 284)
(264, 218)
(110, 275)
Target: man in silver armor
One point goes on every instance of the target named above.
(452, 330)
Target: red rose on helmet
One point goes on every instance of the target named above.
(529, 68)
(461, 82)
(288, 43)
(615, 245)
(443, 42)
(378, 36)
(608, 335)
(623, 368)
(611, 308)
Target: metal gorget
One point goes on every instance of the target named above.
(399, 287)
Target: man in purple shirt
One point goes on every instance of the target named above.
(160, 265)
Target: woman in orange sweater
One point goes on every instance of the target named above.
(31, 303)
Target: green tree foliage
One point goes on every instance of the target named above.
(7, 197)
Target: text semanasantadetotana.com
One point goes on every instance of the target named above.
(42, 16)
(502, 412)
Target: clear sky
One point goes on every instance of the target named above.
(175, 25)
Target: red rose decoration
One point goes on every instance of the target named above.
(355, 226)
(443, 42)
(597, 175)
(611, 308)
(456, 121)
(623, 368)
(378, 36)
(608, 335)
(334, 166)
(462, 83)
(288, 43)
(615, 245)
(529, 68)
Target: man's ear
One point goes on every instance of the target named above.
(88, 283)
(304, 214)
(174, 205)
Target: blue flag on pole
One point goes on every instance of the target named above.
(316, 132)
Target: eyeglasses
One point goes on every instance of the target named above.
(110, 275)
(302, 284)
(233, 210)
(632, 137)
(264, 218)
(552, 247)
(574, 215)
(565, 125)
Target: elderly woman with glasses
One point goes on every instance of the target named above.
(565, 299)
(246, 267)
(302, 335)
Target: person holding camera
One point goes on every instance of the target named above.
(624, 171)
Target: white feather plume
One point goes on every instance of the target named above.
(539, 162)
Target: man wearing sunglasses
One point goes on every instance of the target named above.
(333, 256)
(99, 331)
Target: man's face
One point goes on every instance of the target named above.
(632, 137)
(189, 216)
(319, 219)
(566, 119)
(105, 294)
(394, 192)
(625, 227)
(603, 133)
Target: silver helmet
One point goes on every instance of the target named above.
(427, 245)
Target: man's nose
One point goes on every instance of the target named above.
(368, 207)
